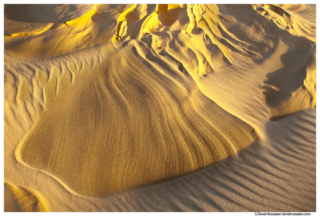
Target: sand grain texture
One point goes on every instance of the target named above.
(22, 200)
(161, 107)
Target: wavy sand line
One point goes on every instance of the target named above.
(129, 116)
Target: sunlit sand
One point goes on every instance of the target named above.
(160, 107)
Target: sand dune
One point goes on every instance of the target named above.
(62, 34)
(160, 129)
(160, 107)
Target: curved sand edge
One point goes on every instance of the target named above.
(18, 199)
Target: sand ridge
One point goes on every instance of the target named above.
(62, 36)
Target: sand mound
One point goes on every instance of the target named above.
(22, 200)
(203, 39)
(106, 99)
(287, 17)
(135, 126)
(59, 34)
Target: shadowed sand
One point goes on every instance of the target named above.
(114, 102)
(21, 200)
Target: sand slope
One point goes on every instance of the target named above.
(64, 31)
(21, 200)
(135, 126)
(102, 99)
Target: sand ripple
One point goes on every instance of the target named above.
(115, 102)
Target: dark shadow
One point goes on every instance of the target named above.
(133, 25)
(109, 10)
(286, 80)
(277, 118)
(278, 10)
(147, 39)
(39, 13)
(183, 17)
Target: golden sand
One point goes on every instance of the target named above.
(113, 105)
(22, 200)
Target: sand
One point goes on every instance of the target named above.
(22, 200)
(160, 108)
